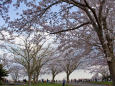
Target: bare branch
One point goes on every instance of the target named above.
(86, 23)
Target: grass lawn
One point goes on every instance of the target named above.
(104, 83)
(46, 84)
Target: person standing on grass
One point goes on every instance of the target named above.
(63, 84)
(47, 80)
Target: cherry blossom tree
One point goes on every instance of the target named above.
(16, 72)
(31, 54)
(54, 68)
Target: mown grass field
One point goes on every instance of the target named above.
(104, 83)
(46, 84)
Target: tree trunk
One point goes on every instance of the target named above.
(53, 77)
(36, 79)
(68, 78)
(112, 71)
(29, 80)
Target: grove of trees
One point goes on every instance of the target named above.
(81, 30)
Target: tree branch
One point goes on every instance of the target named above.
(100, 9)
(86, 23)
(75, 3)
(94, 13)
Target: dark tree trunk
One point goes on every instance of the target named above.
(53, 77)
(112, 71)
(68, 77)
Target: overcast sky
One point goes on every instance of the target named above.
(77, 74)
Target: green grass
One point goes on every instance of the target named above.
(47, 84)
(104, 83)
